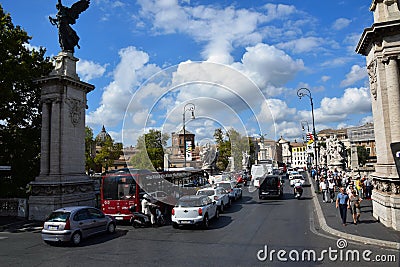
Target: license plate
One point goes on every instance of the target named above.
(265, 193)
(119, 218)
(53, 227)
(185, 222)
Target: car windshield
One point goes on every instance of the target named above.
(189, 203)
(58, 216)
(205, 192)
(225, 186)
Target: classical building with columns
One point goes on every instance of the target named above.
(380, 43)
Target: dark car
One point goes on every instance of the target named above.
(270, 186)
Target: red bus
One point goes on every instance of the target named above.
(123, 188)
(119, 191)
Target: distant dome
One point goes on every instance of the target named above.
(102, 136)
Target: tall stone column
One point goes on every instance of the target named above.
(62, 180)
(381, 46)
(393, 90)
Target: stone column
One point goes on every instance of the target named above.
(393, 90)
(55, 138)
(45, 140)
(62, 181)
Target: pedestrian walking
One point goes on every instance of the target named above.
(324, 189)
(342, 203)
(355, 206)
(359, 186)
(368, 188)
(331, 188)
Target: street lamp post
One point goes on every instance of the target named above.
(303, 124)
(187, 107)
(306, 92)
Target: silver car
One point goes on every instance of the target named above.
(72, 224)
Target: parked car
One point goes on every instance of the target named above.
(217, 194)
(194, 210)
(72, 224)
(270, 186)
(234, 190)
(296, 178)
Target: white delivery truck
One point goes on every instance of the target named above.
(259, 171)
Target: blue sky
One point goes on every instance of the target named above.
(240, 62)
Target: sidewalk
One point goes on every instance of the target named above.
(368, 230)
(18, 224)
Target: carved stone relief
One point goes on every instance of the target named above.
(371, 68)
(75, 110)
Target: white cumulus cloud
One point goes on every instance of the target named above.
(356, 74)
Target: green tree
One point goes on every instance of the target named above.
(20, 113)
(89, 150)
(239, 145)
(109, 152)
(224, 149)
(150, 151)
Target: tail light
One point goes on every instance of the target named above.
(215, 197)
(67, 225)
(279, 183)
(200, 211)
(173, 212)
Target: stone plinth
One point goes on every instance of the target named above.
(381, 46)
(62, 180)
(386, 208)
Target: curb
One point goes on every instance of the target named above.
(324, 226)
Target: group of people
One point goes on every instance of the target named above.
(350, 195)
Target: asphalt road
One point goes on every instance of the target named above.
(247, 227)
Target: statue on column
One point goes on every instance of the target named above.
(208, 156)
(245, 160)
(65, 17)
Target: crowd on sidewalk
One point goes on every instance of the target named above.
(345, 191)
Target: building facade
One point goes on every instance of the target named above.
(381, 45)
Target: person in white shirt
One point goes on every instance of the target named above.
(331, 188)
(324, 188)
(146, 208)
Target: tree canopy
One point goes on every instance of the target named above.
(150, 151)
(20, 114)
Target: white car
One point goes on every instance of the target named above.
(234, 190)
(194, 210)
(217, 194)
(293, 179)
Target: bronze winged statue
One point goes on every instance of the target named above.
(65, 17)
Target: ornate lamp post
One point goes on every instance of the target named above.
(187, 107)
(303, 124)
(306, 92)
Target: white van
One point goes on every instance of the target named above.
(259, 171)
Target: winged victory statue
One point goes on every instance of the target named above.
(65, 17)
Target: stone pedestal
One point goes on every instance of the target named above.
(381, 46)
(386, 208)
(62, 180)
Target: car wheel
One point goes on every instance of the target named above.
(135, 224)
(76, 238)
(241, 195)
(230, 202)
(221, 208)
(206, 222)
(111, 228)
(217, 214)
